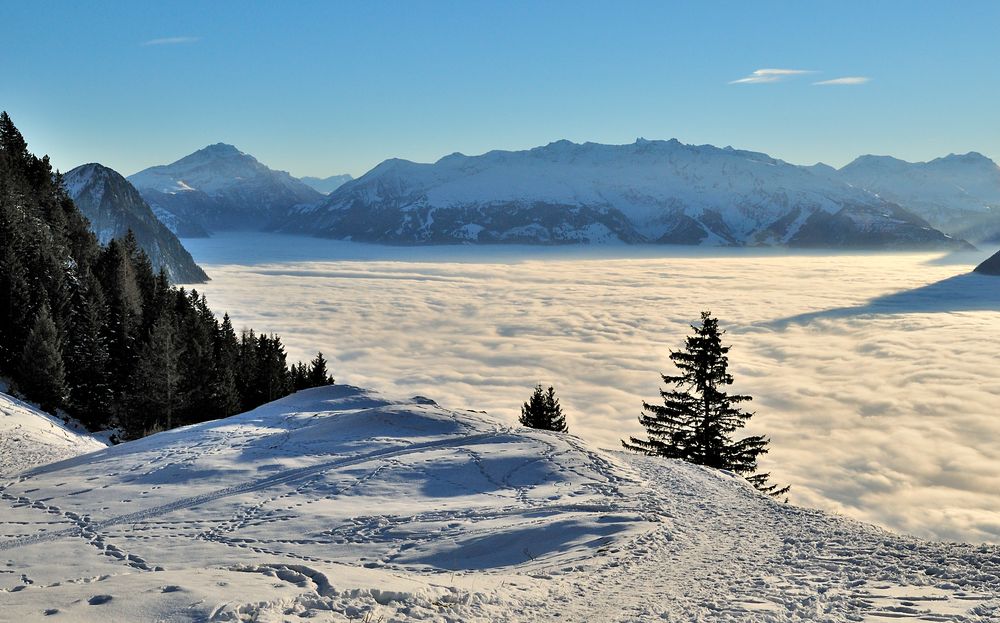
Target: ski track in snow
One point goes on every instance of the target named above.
(335, 504)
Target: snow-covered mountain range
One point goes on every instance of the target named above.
(958, 194)
(220, 188)
(113, 207)
(326, 185)
(648, 191)
(336, 504)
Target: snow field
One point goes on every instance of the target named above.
(335, 504)
(29, 437)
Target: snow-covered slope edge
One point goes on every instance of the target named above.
(30, 438)
(336, 504)
(647, 192)
(991, 265)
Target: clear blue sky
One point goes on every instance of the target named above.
(324, 88)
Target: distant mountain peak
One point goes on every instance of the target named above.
(219, 151)
(970, 158)
(220, 187)
(113, 206)
(223, 149)
(873, 160)
(958, 193)
(326, 185)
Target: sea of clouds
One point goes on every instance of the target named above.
(876, 376)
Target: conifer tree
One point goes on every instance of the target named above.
(543, 411)
(225, 396)
(299, 376)
(87, 358)
(698, 417)
(318, 375)
(41, 375)
(154, 395)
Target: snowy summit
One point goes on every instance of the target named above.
(220, 187)
(335, 504)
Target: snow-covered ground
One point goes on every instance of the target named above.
(337, 504)
(880, 364)
(29, 437)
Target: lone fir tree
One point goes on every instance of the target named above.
(318, 375)
(543, 411)
(698, 417)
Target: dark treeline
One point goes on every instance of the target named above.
(94, 331)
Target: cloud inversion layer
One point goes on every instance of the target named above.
(886, 416)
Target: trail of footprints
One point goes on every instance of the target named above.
(82, 527)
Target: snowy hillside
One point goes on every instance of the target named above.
(220, 187)
(991, 266)
(959, 194)
(649, 191)
(334, 504)
(29, 437)
(114, 207)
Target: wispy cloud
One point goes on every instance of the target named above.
(760, 76)
(172, 41)
(844, 80)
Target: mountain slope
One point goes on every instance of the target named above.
(336, 504)
(991, 266)
(30, 438)
(649, 191)
(113, 207)
(959, 194)
(221, 188)
(326, 185)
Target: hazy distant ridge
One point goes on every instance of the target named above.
(326, 185)
(958, 194)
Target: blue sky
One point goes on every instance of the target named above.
(325, 88)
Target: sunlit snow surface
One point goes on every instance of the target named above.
(336, 504)
(30, 437)
(877, 376)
